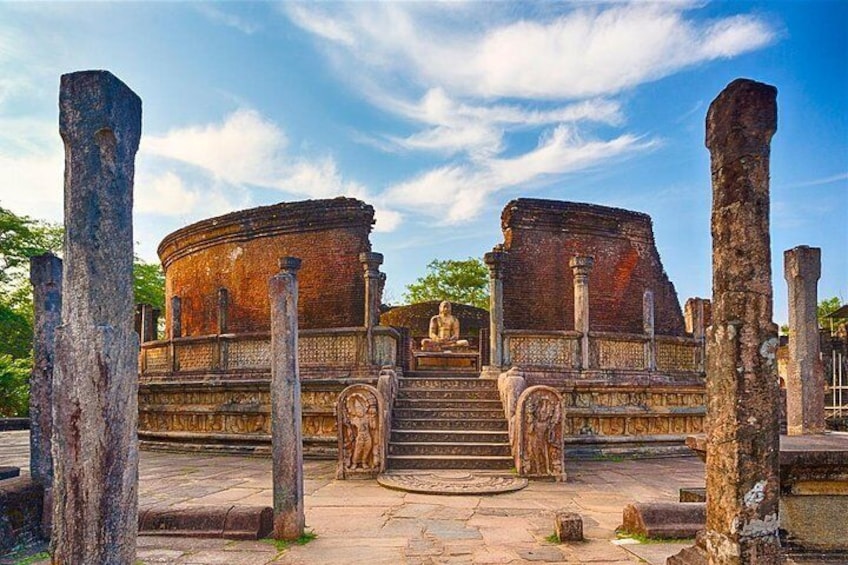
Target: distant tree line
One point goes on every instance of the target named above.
(22, 237)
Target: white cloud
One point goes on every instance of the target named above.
(456, 193)
(245, 149)
(217, 15)
(586, 51)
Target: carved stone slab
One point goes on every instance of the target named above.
(361, 426)
(539, 426)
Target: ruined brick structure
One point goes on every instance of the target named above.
(206, 385)
(541, 236)
(239, 252)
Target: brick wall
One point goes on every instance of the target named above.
(241, 251)
(541, 236)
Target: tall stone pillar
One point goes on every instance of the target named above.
(371, 265)
(742, 384)
(286, 436)
(176, 317)
(95, 390)
(648, 328)
(805, 376)
(582, 266)
(223, 311)
(45, 274)
(147, 323)
(494, 260)
(697, 316)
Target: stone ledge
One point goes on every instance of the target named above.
(229, 522)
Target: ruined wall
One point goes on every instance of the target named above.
(540, 236)
(241, 251)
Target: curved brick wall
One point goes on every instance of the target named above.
(241, 251)
(541, 236)
(416, 317)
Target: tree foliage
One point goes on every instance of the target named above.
(461, 281)
(827, 307)
(148, 284)
(14, 386)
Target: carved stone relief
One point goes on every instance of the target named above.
(539, 432)
(361, 432)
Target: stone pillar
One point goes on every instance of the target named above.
(648, 328)
(805, 375)
(176, 317)
(371, 264)
(742, 385)
(697, 317)
(494, 260)
(223, 310)
(582, 266)
(95, 389)
(286, 436)
(45, 274)
(147, 325)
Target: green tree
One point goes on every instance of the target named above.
(148, 284)
(14, 386)
(825, 308)
(463, 282)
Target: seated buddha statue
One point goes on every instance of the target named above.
(444, 331)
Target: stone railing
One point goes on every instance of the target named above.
(251, 352)
(607, 351)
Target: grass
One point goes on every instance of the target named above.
(33, 558)
(608, 457)
(283, 545)
(553, 538)
(643, 539)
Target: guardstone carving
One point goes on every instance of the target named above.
(539, 434)
(361, 432)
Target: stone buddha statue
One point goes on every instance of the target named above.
(444, 331)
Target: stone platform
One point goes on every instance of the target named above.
(446, 361)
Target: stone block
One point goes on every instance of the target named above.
(229, 522)
(665, 519)
(692, 494)
(569, 526)
(9, 472)
(21, 501)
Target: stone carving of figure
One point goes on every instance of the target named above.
(362, 423)
(444, 330)
(541, 427)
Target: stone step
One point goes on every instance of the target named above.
(447, 403)
(451, 435)
(439, 374)
(450, 462)
(449, 449)
(457, 413)
(444, 383)
(474, 394)
(423, 423)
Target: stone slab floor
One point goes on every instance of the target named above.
(363, 523)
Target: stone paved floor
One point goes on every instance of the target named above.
(362, 522)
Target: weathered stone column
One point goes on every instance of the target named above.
(742, 384)
(286, 436)
(176, 317)
(805, 376)
(45, 274)
(494, 260)
(371, 265)
(223, 311)
(582, 266)
(696, 314)
(95, 390)
(648, 328)
(147, 323)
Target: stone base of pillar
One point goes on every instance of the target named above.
(491, 372)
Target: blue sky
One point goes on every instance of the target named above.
(438, 114)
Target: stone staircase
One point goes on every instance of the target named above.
(448, 420)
